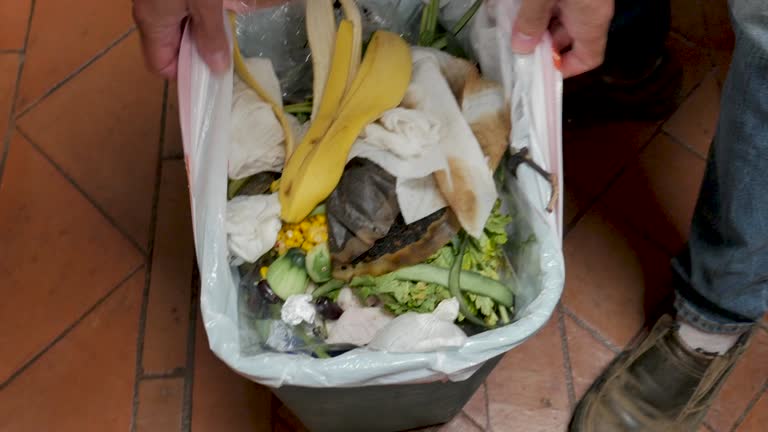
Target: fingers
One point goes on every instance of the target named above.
(560, 37)
(531, 23)
(160, 30)
(210, 35)
(587, 22)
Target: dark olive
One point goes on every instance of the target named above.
(328, 309)
(266, 292)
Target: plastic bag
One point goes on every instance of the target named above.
(533, 86)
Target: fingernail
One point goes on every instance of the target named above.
(523, 43)
(219, 62)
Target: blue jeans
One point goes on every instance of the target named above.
(725, 267)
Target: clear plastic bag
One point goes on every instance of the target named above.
(533, 87)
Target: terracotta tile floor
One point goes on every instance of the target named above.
(102, 332)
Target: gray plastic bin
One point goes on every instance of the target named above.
(386, 408)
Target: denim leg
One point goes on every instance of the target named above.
(725, 267)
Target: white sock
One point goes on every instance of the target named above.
(715, 343)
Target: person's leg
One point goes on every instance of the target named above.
(669, 380)
(725, 268)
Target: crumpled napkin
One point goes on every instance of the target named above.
(258, 141)
(252, 224)
(406, 133)
(357, 326)
(414, 332)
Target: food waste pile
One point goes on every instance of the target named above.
(368, 214)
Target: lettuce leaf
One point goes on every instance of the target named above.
(483, 255)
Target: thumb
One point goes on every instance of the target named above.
(210, 33)
(531, 23)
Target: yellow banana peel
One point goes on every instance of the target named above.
(352, 13)
(321, 29)
(242, 71)
(331, 102)
(316, 168)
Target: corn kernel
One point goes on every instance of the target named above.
(321, 218)
(263, 271)
(304, 226)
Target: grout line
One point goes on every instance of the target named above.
(29, 26)
(470, 419)
(632, 158)
(6, 139)
(85, 195)
(684, 145)
(487, 406)
(175, 373)
(600, 338)
(566, 356)
(750, 405)
(148, 279)
(189, 378)
(69, 329)
(74, 73)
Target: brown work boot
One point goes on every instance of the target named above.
(660, 386)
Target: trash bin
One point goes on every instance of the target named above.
(382, 408)
(363, 389)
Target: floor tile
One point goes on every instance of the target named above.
(657, 195)
(85, 382)
(103, 129)
(223, 400)
(705, 23)
(594, 154)
(172, 144)
(615, 277)
(527, 390)
(14, 17)
(65, 36)
(460, 423)
(757, 418)
(167, 325)
(588, 356)
(571, 206)
(9, 68)
(160, 405)
(742, 386)
(58, 256)
(695, 62)
(695, 121)
(477, 407)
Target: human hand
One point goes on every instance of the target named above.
(161, 22)
(579, 30)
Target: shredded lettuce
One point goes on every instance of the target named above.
(483, 255)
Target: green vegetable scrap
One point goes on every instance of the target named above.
(422, 287)
(287, 276)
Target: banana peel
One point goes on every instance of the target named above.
(312, 173)
(321, 29)
(332, 96)
(242, 71)
(352, 13)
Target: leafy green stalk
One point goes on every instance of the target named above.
(299, 108)
(429, 23)
(234, 186)
(442, 42)
(327, 288)
(454, 284)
